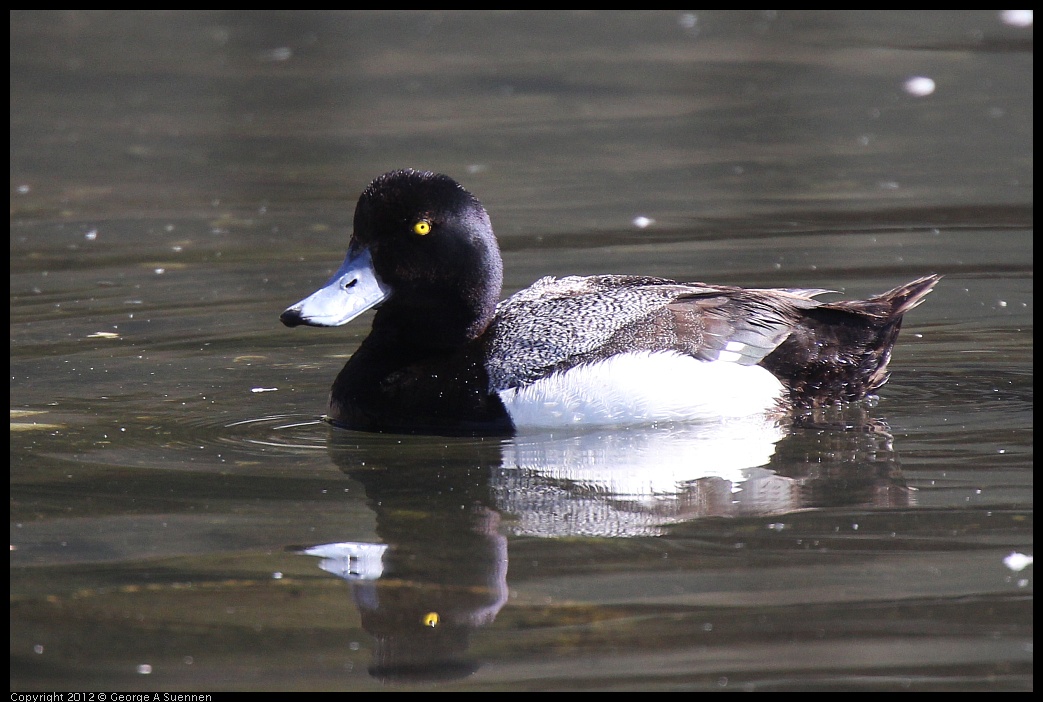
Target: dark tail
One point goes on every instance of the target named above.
(898, 302)
(852, 345)
(906, 297)
(892, 304)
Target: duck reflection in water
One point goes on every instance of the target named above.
(445, 509)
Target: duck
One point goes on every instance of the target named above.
(446, 356)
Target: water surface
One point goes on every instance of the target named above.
(182, 520)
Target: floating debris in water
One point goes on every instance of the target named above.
(1017, 18)
(919, 86)
(1017, 561)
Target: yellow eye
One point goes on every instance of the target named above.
(431, 619)
(423, 227)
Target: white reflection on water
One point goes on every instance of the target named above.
(630, 483)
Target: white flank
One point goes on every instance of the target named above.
(644, 388)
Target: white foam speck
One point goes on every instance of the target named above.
(1016, 18)
(919, 86)
(1017, 561)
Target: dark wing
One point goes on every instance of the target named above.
(736, 324)
(559, 323)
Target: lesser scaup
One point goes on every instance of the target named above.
(444, 357)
